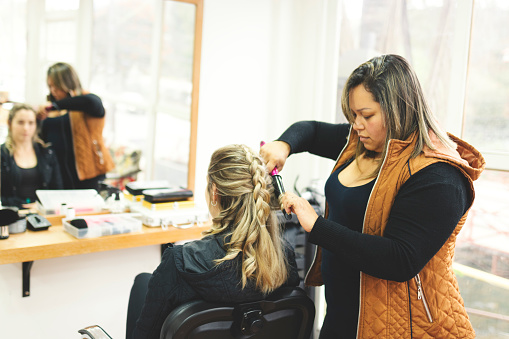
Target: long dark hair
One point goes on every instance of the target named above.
(64, 77)
(394, 85)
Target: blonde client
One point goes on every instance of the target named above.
(242, 257)
(28, 163)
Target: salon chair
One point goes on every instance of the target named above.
(287, 313)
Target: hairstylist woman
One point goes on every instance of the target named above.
(241, 258)
(28, 164)
(396, 199)
(73, 123)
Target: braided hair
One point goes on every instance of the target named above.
(244, 189)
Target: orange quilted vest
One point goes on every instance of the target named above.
(92, 156)
(430, 305)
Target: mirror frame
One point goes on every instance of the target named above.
(191, 168)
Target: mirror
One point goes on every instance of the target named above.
(145, 65)
(179, 89)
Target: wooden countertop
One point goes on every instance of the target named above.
(55, 242)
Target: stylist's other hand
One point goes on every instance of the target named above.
(42, 111)
(274, 154)
(302, 208)
(30, 206)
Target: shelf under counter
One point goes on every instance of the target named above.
(55, 242)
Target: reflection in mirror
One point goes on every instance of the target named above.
(145, 66)
(172, 133)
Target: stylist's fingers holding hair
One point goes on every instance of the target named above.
(275, 154)
(302, 208)
(42, 111)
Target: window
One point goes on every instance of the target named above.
(13, 56)
(486, 119)
(482, 245)
(450, 43)
(121, 67)
(420, 31)
(482, 259)
(141, 64)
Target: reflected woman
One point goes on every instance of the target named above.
(73, 121)
(28, 164)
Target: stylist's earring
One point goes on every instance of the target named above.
(213, 203)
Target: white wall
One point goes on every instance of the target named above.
(263, 67)
(72, 292)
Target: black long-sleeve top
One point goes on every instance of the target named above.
(57, 131)
(13, 180)
(424, 214)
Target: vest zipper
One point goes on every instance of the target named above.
(363, 224)
(98, 151)
(420, 296)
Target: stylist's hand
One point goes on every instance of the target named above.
(302, 208)
(42, 111)
(30, 206)
(274, 154)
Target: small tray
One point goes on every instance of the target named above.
(180, 218)
(102, 225)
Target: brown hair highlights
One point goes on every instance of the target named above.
(395, 86)
(65, 77)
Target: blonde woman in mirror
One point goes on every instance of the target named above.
(28, 164)
(396, 199)
(241, 258)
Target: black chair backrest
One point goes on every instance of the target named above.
(288, 313)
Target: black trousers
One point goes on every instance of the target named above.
(330, 330)
(136, 301)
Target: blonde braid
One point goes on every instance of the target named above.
(245, 188)
(261, 194)
(261, 212)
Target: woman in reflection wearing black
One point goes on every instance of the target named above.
(73, 122)
(28, 164)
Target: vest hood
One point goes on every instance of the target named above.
(466, 156)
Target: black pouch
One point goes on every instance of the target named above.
(167, 194)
